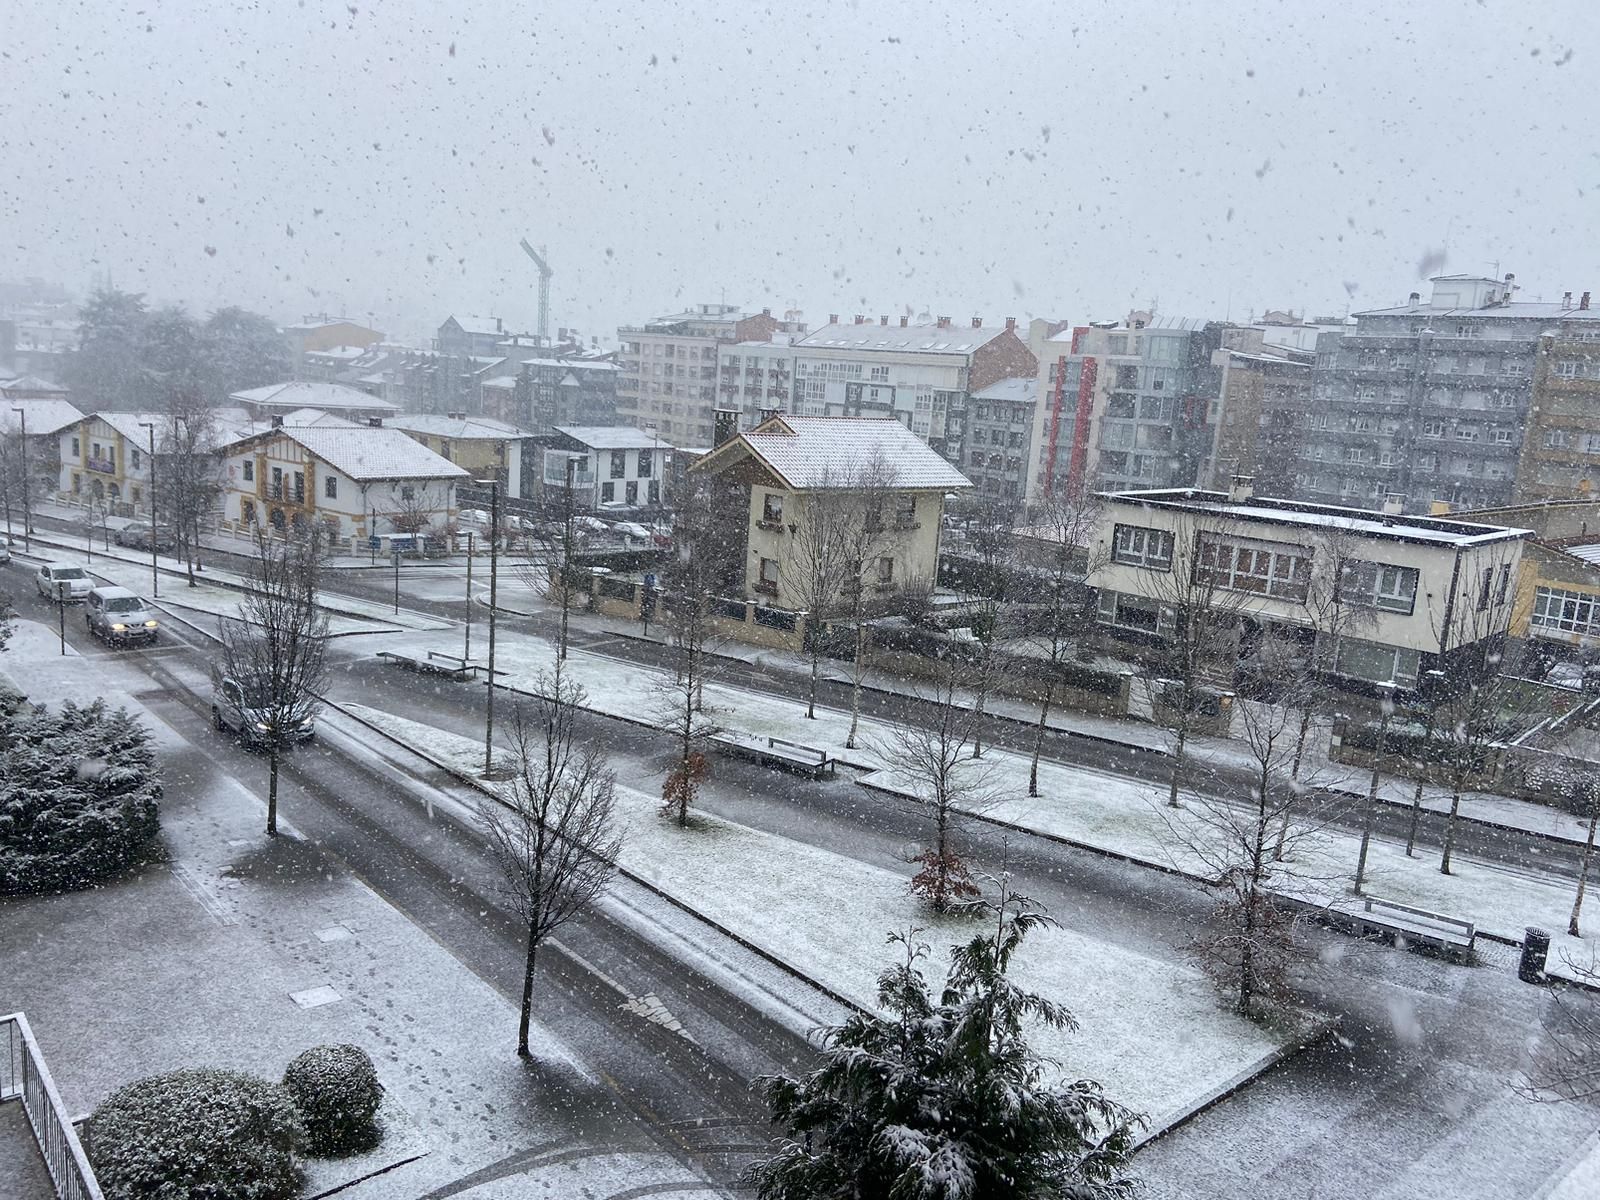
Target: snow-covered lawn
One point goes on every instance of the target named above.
(829, 916)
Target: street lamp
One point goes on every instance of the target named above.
(1386, 700)
(155, 583)
(494, 568)
(27, 487)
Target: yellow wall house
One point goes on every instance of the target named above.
(106, 456)
(483, 447)
(790, 463)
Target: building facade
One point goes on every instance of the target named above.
(550, 392)
(485, 448)
(668, 375)
(1560, 457)
(999, 441)
(756, 378)
(615, 469)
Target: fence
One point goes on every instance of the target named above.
(24, 1076)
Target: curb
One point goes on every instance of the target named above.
(477, 785)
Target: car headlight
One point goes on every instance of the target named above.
(149, 624)
(119, 627)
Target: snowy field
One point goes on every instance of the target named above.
(829, 917)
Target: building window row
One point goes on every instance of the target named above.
(1556, 610)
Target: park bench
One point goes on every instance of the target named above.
(777, 752)
(1383, 918)
(436, 663)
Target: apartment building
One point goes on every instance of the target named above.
(1125, 405)
(668, 374)
(1560, 457)
(1432, 400)
(1435, 593)
(923, 375)
(999, 441)
(756, 379)
(550, 392)
(1263, 386)
(613, 468)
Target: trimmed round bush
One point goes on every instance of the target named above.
(224, 1135)
(79, 796)
(336, 1091)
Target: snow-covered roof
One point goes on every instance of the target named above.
(501, 382)
(1589, 552)
(308, 394)
(611, 437)
(575, 364)
(950, 339)
(1361, 521)
(315, 416)
(815, 452)
(43, 416)
(26, 384)
(484, 325)
(1526, 310)
(456, 427)
(131, 425)
(341, 353)
(366, 452)
(1023, 390)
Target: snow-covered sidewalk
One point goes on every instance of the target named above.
(1153, 1031)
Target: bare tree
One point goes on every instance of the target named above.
(1564, 1060)
(989, 602)
(1199, 613)
(187, 471)
(1063, 527)
(555, 836)
(14, 483)
(1252, 940)
(274, 649)
(870, 529)
(934, 760)
(818, 570)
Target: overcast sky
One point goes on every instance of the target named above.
(1069, 160)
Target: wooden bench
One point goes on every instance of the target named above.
(777, 752)
(436, 663)
(1448, 935)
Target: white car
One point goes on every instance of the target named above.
(54, 577)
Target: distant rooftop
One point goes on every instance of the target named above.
(461, 428)
(1024, 390)
(303, 394)
(43, 416)
(1366, 522)
(821, 452)
(369, 453)
(613, 437)
(952, 339)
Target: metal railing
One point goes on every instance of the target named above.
(24, 1077)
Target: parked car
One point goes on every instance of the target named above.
(5, 550)
(236, 708)
(118, 615)
(139, 534)
(53, 576)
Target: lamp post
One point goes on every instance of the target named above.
(27, 488)
(1386, 699)
(494, 576)
(466, 649)
(63, 594)
(155, 583)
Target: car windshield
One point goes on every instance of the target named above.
(66, 572)
(124, 604)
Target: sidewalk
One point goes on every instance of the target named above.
(1483, 808)
(239, 951)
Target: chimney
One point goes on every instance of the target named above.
(725, 423)
(860, 320)
(498, 328)
(1011, 324)
(1416, 299)
(977, 322)
(943, 323)
(277, 422)
(375, 422)
(1566, 299)
(1241, 488)
(1583, 302)
(885, 320)
(903, 321)
(833, 318)
(766, 312)
(1394, 503)
(768, 413)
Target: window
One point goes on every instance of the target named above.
(1468, 331)
(1486, 588)
(1129, 612)
(1467, 433)
(1378, 585)
(885, 570)
(1505, 583)
(247, 512)
(1258, 568)
(655, 491)
(330, 487)
(407, 492)
(630, 491)
(248, 470)
(277, 483)
(1376, 663)
(1555, 439)
(76, 452)
(772, 509)
(1137, 546)
(300, 487)
(1366, 391)
(1558, 611)
(1501, 437)
(1433, 429)
(768, 580)
(619, 463)
(1568, 368)
(646, 464)
(135, 460)
(608, 492)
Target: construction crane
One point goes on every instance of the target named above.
(544, 287)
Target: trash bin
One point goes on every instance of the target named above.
(1535, 951)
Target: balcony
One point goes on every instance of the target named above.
(105, 466)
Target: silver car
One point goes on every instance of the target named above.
(56, 581)
(118, 615)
